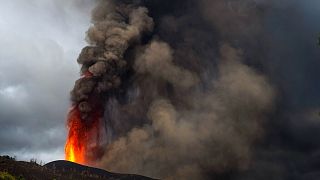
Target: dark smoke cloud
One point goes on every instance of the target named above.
(169, 106)
(194, 132)
(110, 37)
(209, 89)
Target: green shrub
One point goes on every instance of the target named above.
(6, 176)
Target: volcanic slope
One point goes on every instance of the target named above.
(62, 170)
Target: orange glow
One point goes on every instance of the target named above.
(76, 141)
(83, 140)
(87, 74)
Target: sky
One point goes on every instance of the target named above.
(40, 42)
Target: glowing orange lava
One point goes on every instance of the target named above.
(87, 74)
(75, 146)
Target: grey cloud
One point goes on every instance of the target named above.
(33, 99)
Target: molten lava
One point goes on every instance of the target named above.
(83, 143)
(76, 141)
(87, 74)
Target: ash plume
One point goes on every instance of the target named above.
(109, 37)
(195, 132)
(181, 115)
(184, 90)
(116, 27)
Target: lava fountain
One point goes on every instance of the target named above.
(75, 145)
(83, 141)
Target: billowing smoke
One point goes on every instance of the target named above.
(168, 113)
(116, 27)
(191, 131)
(103, 62)
(176, 90)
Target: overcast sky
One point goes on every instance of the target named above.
(40, 41)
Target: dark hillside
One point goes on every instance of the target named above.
(62, 170)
